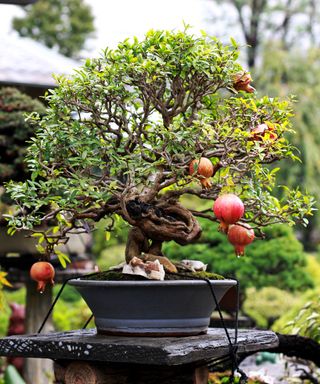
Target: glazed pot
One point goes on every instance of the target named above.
(178, 307)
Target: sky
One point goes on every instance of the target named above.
(119, 19)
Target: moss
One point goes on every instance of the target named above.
(119, 276)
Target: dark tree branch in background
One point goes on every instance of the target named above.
(263, 20)
(250, 29)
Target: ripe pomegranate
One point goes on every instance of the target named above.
(240, 236)
(206, 183)
(203, 168)
(260, 130)
(241, 82)
(228, 208)
(42, 272)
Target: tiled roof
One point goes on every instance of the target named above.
(25, 61)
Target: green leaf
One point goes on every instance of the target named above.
(233, 42)
(63, 258)
(40, 248)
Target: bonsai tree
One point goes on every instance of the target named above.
(134, 130)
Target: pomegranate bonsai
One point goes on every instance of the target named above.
(134, 130)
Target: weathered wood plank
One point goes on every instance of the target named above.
(89, 346)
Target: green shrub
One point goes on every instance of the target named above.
(70, 312)
(303, 318)
(69, 294)
(102, 240)
(266, 305)
(68, 316)
(277, 261)
(10, 296)
(4, 321)
(111, 256)
(15, 130)
(313, 269)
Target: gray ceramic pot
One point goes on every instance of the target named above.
(180, 307)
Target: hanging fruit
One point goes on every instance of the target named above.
(240, 236)
(229, 209)
(203, 169)
(260, 131)
(241, 82)
(42, 272)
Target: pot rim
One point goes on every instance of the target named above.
(114, 283)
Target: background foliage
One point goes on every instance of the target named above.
(297, 72)
(303, 318)
(277, 261)
(61, 24)
(15, 131)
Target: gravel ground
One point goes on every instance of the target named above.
(283, 370)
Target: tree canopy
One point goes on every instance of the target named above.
(120, 134)
(61, 24)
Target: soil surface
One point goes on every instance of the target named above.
(119, 276)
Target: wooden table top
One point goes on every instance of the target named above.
(87, 345)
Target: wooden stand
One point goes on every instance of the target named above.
(83, 357)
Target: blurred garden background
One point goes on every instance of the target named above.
(279, 40)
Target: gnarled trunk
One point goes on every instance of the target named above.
(155, 224)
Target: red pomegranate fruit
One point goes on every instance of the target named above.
(260, 130)
(206, 183)
(42, 272)
(203, 169)
(241, 82)
(228, 208)
(240, 236)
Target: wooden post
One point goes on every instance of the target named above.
(82, 372)
(37, 371)
(201, 375)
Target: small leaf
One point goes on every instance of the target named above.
(3, 279)
(40, 248)
(63, 258)
(108, 235)
(11, 231)
(233, 42)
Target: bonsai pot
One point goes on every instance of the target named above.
(163, 308)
